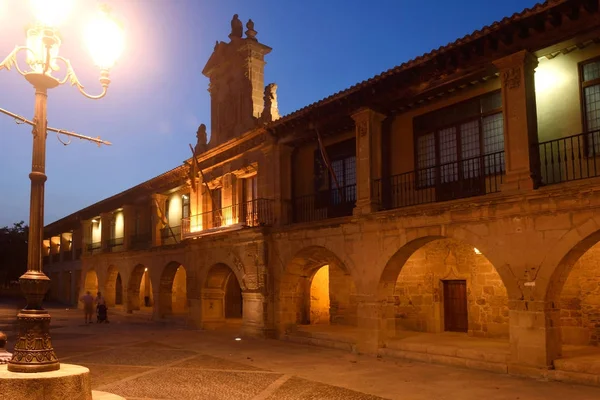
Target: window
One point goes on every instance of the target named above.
(590, 87)
(185, 206)
(450, 142)
(343, 164)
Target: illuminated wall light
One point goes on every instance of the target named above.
(145, 269)
(476, 250)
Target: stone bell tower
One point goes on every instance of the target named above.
(236, 73)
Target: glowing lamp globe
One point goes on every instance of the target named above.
(51, 13)
(105, 40)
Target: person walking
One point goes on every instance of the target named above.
(101, 309)
(88, 307)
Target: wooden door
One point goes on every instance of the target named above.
(455, 306)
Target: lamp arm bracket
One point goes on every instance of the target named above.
(11, 59)
(72, 78)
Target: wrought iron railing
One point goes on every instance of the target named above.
(325, 204)
(78, 253)
(257, 212)
(466, 178)
(94, 248)
(141, 241)
(115, 244)
(570, 158)
(56, 257)
(170, 234)
(46, 260)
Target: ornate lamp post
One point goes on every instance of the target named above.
(33, 349)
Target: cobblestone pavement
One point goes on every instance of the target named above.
(140, 359)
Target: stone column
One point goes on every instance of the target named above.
(128, 225)
(158, 203)
(230, 199)
(368, 159)
(66, 245)
(275, 183)
(375, 324)
(534, 335)
(78, 242)
(257, 310)
(106, 234)
(86, 234)
(520, 120)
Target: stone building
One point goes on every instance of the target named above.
(446, 210)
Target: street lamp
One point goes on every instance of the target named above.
(33, 349)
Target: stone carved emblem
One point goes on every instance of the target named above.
(512, 78)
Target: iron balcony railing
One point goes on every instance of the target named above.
(257, 212)
(46, 260)
(170, 235)
(56, 257)
(466, 178)
(141, 241)
(570, 158)
(78, 253)
(115, 244)
(325, 204)
(94, 248)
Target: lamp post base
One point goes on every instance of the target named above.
(33, 348)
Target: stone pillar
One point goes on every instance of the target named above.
(86, 233)
(275, 183)
(213, 308)
(230, 201)
(534, 336)
(520, 120)
(78, 242)
(256, 317)
(128, 225)
(197, 206)
(65, 246)
(375, 321)
(368, 159)
(158, 203)
(106, 234)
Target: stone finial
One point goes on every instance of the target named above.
(201, 139)
(271, 110)
(5, 356)
(250, 33)
(236, 27)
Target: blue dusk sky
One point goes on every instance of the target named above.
(158, 95)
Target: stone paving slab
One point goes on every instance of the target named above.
(208, 362)
(191, 384)
(299, 389)
(132, 356)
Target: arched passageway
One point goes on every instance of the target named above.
(575, 289)
(173, 290)
(221, 296)
(444, 285)
(112, 289)
(90, 283)
(139, 290)
(316, 288)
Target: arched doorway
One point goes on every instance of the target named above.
(173, 290)
(316, 288)
(139, 290)
(113, 289)
(222, 299)
(576, 286)
(440, 285)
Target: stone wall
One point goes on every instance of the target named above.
(580, 301)
(179, 292)
(419, 291)
(146, 290)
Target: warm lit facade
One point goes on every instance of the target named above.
(464, 200)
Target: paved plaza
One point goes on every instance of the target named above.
(140, 359)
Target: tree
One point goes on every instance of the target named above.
(13, 252)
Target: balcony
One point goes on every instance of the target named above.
(326, 204)
(569, 159)
(78, 254)
(468, 178)
(45, 260)
(55, 258)
(94, 248)
(141, 241)
(258, 212)
(115, 244)
(170, 234)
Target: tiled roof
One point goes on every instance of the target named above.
(486, 30)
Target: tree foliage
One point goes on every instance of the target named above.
(13, 252)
